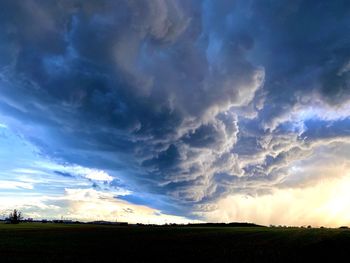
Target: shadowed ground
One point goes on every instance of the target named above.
(35, 242)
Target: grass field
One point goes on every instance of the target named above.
(35, 242)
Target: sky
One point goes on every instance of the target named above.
(174, 111)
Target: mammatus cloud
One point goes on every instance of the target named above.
(193, 101)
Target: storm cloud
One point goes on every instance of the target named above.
(191, 100)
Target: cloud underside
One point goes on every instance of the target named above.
(186, 99)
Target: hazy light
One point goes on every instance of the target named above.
(325, 204)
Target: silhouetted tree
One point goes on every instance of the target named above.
(15, 217)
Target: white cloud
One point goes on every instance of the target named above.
(98, 175)
(89, 204)
(86, 205)
(77, 170)
(4, 184)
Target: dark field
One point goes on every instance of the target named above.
(37, 242)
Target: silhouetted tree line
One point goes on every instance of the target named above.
(232, 224)
(15, 217)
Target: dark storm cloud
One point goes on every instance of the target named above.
(188, 99)
(310, 52)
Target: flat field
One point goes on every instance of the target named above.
(36, 242)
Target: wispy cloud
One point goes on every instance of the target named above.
(15, 185)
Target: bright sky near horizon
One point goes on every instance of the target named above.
(176, 111)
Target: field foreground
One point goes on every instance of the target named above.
(37, 242)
